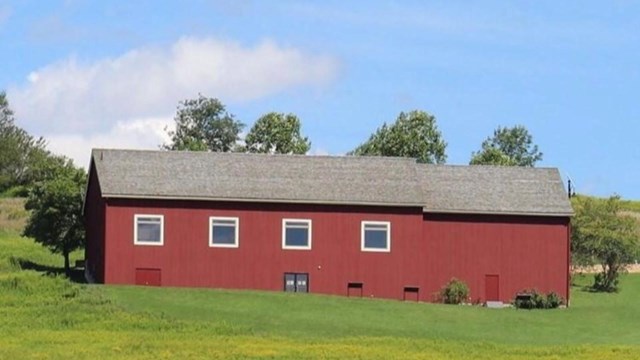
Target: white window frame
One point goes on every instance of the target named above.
(135, 229)
(362, 232)
(284, 234)
(237, 231)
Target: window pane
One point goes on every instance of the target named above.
(220, 222)
(224, 234)
(375, 227)
(301, 224)
(297, 236)
(150, 220)
(148, 232)
(375, 239)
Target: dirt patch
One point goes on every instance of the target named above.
(13, 216)
(633, 268)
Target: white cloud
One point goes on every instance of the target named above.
(101, 103)
(147, 133)
(318, 152)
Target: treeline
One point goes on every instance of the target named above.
(24, 159)
(204, 124)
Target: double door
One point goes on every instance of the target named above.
(296, 282)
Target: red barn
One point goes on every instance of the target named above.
(356, 226)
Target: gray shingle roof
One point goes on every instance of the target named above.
(253, 177)
(493, 190)
(352, 180)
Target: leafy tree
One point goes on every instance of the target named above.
(508, 146)
(492, 156)
(414, 134)
(603, 235)
(203, 124)
(18, 149)
(56, 209)
(277, 133)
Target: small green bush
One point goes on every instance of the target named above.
(454, 292)
(602, 282)
(538, 300)
(553, 300)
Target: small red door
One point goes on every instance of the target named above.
(148, 277)
(492, 287)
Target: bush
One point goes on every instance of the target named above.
(537, 300)
(602, 282)
(553, 300)
(455, 292)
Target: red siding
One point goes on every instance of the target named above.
(426, 249)
(94, 212)
(260, 262)
(525, 252)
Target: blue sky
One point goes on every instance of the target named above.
(95, 73)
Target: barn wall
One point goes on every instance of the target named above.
(525, 252)
(95, 227)
(426, 249)
(260, 262)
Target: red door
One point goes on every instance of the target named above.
(492, 287)
(148, 277)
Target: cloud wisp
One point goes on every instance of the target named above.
(76, 103)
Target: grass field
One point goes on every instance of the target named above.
(44, 315)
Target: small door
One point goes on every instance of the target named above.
(302, 283)
(492, 287)
(290, 282)
(296, 282)
(148, 277)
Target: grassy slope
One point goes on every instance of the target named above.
(631, 205)
(46, 316)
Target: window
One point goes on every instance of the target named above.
(296, 234)
(148, 230)
(223, 232)
(376, 236)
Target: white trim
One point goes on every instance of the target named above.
(284, 234)
(236, 227)
(363, 224)
(135, 229)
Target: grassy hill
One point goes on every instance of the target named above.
(44, 315)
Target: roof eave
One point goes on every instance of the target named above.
(259, 200)
(508, 213)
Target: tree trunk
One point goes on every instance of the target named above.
(67, 268)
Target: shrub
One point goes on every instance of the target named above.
(602, 282)
(553, 300)
(537, 300)
(454, 292)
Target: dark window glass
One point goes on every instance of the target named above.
(375, 236)
(149, 231)
(297, 236)
(223, 234)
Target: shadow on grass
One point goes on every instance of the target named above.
(76, 276)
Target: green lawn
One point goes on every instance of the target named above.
(44, 315)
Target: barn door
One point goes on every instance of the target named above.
(296, 282)
(148, 277)
(492, 287)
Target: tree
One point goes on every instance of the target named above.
(508, 146)
(414, 134)
(492, 156)
(602, 234)
(203, 124)
(277, 133)
(18, 149)
(56, 209)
